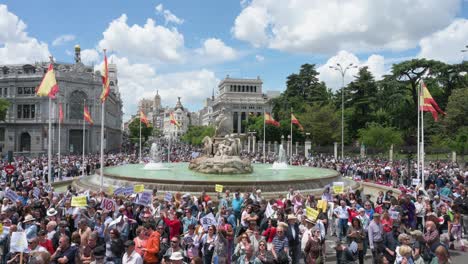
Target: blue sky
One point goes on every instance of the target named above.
(183, 48)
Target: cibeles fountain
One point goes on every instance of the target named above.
(220, 163)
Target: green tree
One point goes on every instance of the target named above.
(195, 134)
(134, 128)
(457, 111)
(4, 105)
(322, 122)
(379, 137)
(272, 133)
(459, 143)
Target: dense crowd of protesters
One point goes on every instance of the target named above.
(419, 225)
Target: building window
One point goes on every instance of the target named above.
(2, 134)
(5, 92)
(1, 91)
(20, 90)
(77, 104)
(26, 111)
(255, 89)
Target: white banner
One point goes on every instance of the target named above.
(208, 220)
(144, 198)
(18, 242)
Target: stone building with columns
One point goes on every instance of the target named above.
(25, 129)
(239, 98)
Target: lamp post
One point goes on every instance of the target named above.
(342, 70)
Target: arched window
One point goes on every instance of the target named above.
(76, 103)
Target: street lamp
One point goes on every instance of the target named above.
(342, 70)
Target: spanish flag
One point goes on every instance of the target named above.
(60, 113)
(144, 119)
(105, 80)
(173, 120)
(270, 121)
(48, 86)
(87, 116)
(427, 103)
(296, 122)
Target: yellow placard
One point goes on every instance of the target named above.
(139, 188)
(322, 204)
(1, 228)
(79, 201)
(338, 187)
(311, 213)
(219, 188)
(110, 190)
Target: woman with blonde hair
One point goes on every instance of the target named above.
(442, 256)
(406, 254)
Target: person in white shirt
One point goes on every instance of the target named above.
(131, 256)
(342, 214)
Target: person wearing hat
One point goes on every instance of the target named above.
(309, 224)
(294, 240)
(52, 214)
(176, 258)
(99, 254)
(131, 256)
(30, 227)
(375, 235)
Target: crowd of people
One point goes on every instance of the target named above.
(417, 225)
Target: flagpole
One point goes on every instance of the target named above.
(422, 148)
(290, 148)
(59, 161)
(102, 143)
(419, 127)
(84, 138)
(264, 157)
(49, 148)
(140, 141)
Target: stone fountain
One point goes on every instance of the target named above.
(155, 162)
(282, 162)
(221, 153)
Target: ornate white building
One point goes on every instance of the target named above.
(25, 129)
(182, 116)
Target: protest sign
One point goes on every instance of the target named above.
(338, 187)
(208, 220)
(168, 197)
(322, 204)
(144, 198)
(416, 182)
(139, 188)
(110, 189)
(124, 191)
(36, 192)
(18, 242)
(107, 204)
(393, 214)
(79, 201)
(12, 195)
(219, 188)
(311, 213)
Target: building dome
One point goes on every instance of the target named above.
(179, 105)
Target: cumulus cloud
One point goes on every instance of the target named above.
(60, 40)
(215, 50)
(259, 58)
(139, 80)
(169, 17)
(16, 46)
(333, 79)
(89, 56)
(355, 25)
(149, 42)
(445, 45)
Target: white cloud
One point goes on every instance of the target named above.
(215, 50)
(169, 17)
(15, 44)
(60, 40)
(445, 45)
(137, 81)
(355, 25)
(89, 56)
(259, 58)
(333, 77)
(149, 42)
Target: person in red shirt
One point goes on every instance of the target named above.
(174, 224)
(46, 243)
(151, 249)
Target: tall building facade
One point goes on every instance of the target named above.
(25, 129)
(238, 98)
(182, 115)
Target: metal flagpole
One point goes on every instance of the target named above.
(102, 142)
(140, 140)
(290, 148)
(169, 148)
(422, 145)
(49, 148)
(84, 138)
(264, 157)
(59, 161)
(418, 145)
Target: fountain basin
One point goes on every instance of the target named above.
(178, 178)
(279, 166)
(155, 166)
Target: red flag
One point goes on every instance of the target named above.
(144, 119)
(174, 121)
(48, 86)
(427, 103)
(87, 116)
(296, 122)
(105, 80)
(270, 121)
(60, 113)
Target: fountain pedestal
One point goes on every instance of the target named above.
(221, 165)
